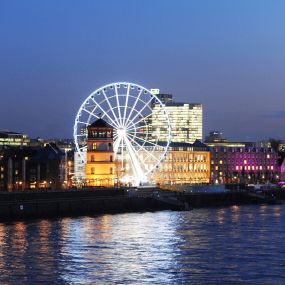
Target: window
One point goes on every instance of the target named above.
(92, 170)
(94, 146)
(92, 158)
(111, 158)
(111, 170)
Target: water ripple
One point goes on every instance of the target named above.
(233, 245)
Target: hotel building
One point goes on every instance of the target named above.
(241, 162)
(184, 163)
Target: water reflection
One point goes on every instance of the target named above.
(224, 245)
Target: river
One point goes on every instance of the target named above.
(234, 245)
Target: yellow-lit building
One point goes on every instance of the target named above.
(184, 164)
(100, 166)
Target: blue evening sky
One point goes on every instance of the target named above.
(228, 55)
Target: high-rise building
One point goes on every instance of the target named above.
(186, 121)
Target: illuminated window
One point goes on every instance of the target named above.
(94, 146)
(245, 161)
(221, 162)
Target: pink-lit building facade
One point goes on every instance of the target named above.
(244, 164)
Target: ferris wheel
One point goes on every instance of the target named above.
(128, 108)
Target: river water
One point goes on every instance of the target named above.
(235, 245)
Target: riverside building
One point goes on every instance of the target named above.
(32, 168)
(241, 162)
(184, 163)
(100, 166)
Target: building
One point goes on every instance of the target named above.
(216, 139)
(241, 162)
(184, 163)
(100, 166)
(186, 121)
(65, 145)
(32, 168)
(13, 139)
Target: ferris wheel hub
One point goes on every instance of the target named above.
(121, 132)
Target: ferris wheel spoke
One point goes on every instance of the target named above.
(142, 119)
(149, 142)
(133, 107)
(126, 103)
(148, 152)
(97, 105)
(118, 104)
(137, 128)
(116, 145)
(140, 112)
(135, 161)
(111, 108)
(91, 113)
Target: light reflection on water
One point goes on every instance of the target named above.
(215, 246)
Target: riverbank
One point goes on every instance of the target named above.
(36, 204)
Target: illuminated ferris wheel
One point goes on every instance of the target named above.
(127, 107)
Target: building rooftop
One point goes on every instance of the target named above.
(180, 104)
(100, 123)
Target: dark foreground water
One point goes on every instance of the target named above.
(237, 245)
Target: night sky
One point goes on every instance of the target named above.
(228, 55)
